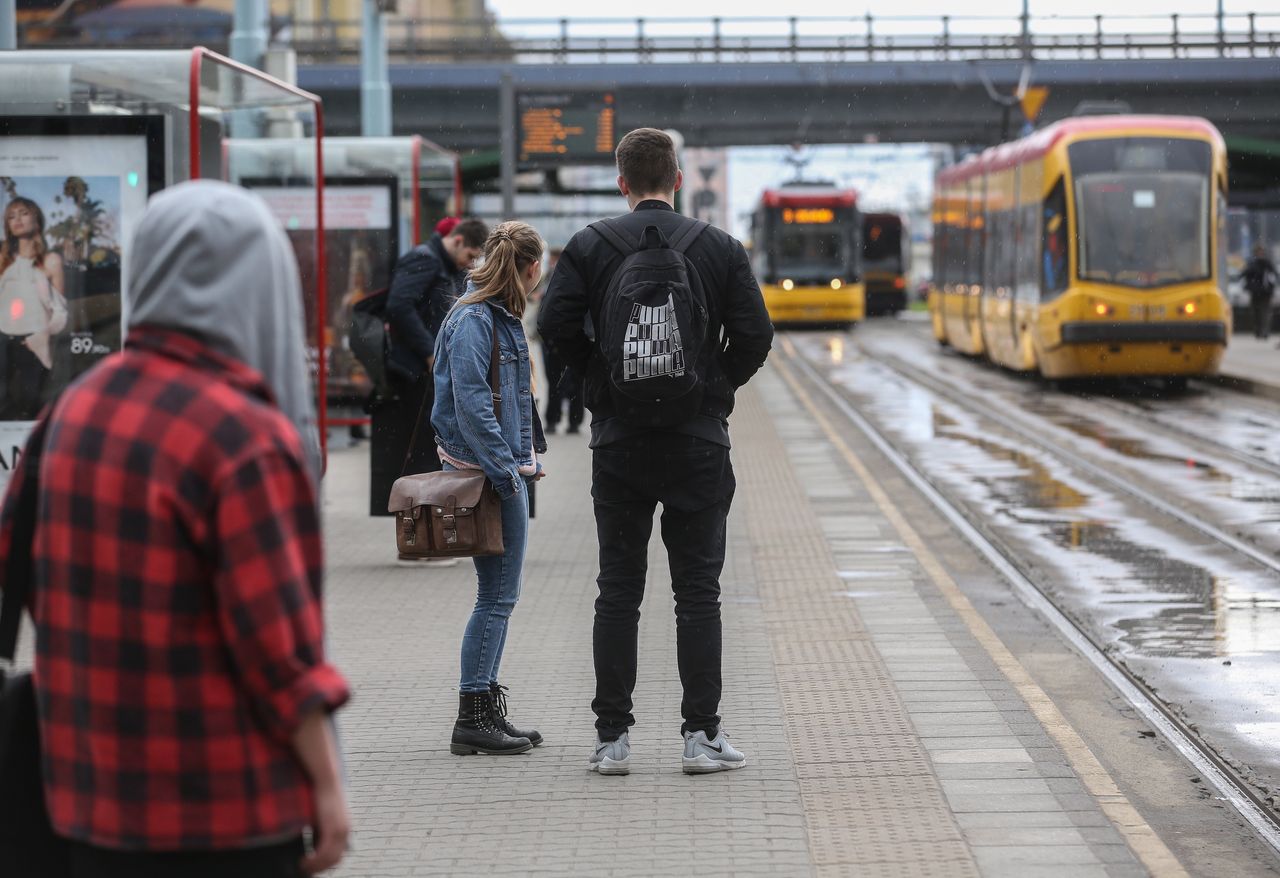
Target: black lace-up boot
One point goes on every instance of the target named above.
(476, 732)
(498, 695)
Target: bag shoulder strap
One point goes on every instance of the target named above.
(689, 233)
(607, 229)
(19, 569)
(495, 389)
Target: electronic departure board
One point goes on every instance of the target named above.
(559, 128)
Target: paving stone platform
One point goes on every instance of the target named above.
(883, 738)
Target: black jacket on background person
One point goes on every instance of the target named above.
(424, 286)
(738, 316)
(1259, 276)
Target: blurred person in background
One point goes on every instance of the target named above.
(1259, 277)
(564, 385)
(180, 668)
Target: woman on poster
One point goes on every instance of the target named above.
(32, 310)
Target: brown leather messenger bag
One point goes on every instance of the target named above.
(453, 514)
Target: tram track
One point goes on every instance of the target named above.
(1135, 412)
(1123, 484)
(1232, 787)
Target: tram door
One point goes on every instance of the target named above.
(977, 239)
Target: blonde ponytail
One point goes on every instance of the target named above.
(508, 252)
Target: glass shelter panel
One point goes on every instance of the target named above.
(85, 138)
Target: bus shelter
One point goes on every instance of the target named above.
(382, 197)
(85, 138)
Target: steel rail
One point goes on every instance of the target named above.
(1080, 462)
(1134, 412)
(1230, 786)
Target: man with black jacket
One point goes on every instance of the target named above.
(685, 468)
(424, 285)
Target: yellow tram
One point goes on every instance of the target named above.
(885, 250)
(1091, 248)
(807, 254)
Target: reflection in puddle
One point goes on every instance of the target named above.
(1157, 596)
(1187, 616)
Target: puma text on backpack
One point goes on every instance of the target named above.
(653, 327)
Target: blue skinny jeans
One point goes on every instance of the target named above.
(498, 589)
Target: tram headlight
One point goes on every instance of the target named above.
(1102, 309)
(1189, 308)
(836, 283)
(788, 285)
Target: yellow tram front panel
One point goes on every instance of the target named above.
(1096, 331)
(816, 303)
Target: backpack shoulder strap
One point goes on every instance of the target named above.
(606, 229)
(687, 234)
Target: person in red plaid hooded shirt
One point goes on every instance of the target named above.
(180, 669)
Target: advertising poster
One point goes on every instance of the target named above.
(361, 247)
(71, 192)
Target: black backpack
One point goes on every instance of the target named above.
(653, 327)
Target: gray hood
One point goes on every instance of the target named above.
(210, 260)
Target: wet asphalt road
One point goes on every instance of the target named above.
(1197, 621)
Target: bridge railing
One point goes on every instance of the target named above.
(756, 39)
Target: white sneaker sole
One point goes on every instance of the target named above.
(704, 764)
(612, 766)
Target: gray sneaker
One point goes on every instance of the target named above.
(703, 756)
(612, 757)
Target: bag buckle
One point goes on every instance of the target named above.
(409, 531)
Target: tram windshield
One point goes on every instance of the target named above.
(1143, 230)
(810, 251)
(882, 247)
(1142, 210)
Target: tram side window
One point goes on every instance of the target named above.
(1029, 217)
(1053, 278)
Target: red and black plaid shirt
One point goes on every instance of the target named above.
(179, 637)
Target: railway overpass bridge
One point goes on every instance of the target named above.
(744, 81)
(739, 103)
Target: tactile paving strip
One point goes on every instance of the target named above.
(873, 805)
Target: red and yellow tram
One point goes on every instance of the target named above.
(807, 254)
(1091, 248)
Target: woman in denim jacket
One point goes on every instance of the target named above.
(471, 436)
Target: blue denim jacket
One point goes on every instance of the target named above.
(463, 414)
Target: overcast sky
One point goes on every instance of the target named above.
(739, 8)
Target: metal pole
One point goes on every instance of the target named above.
(8, 24)
(1222, 32)
(1026, 28)
(507, 129)
(249, 33)
(375, 85)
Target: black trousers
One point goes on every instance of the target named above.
(693, 480)
(1260, 307)
(22, 380)
(562, 385)
(273, 861)
(391, 428)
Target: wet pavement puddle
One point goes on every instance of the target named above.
(1197, 622)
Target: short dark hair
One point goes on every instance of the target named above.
(647, 161)
(472, 231)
